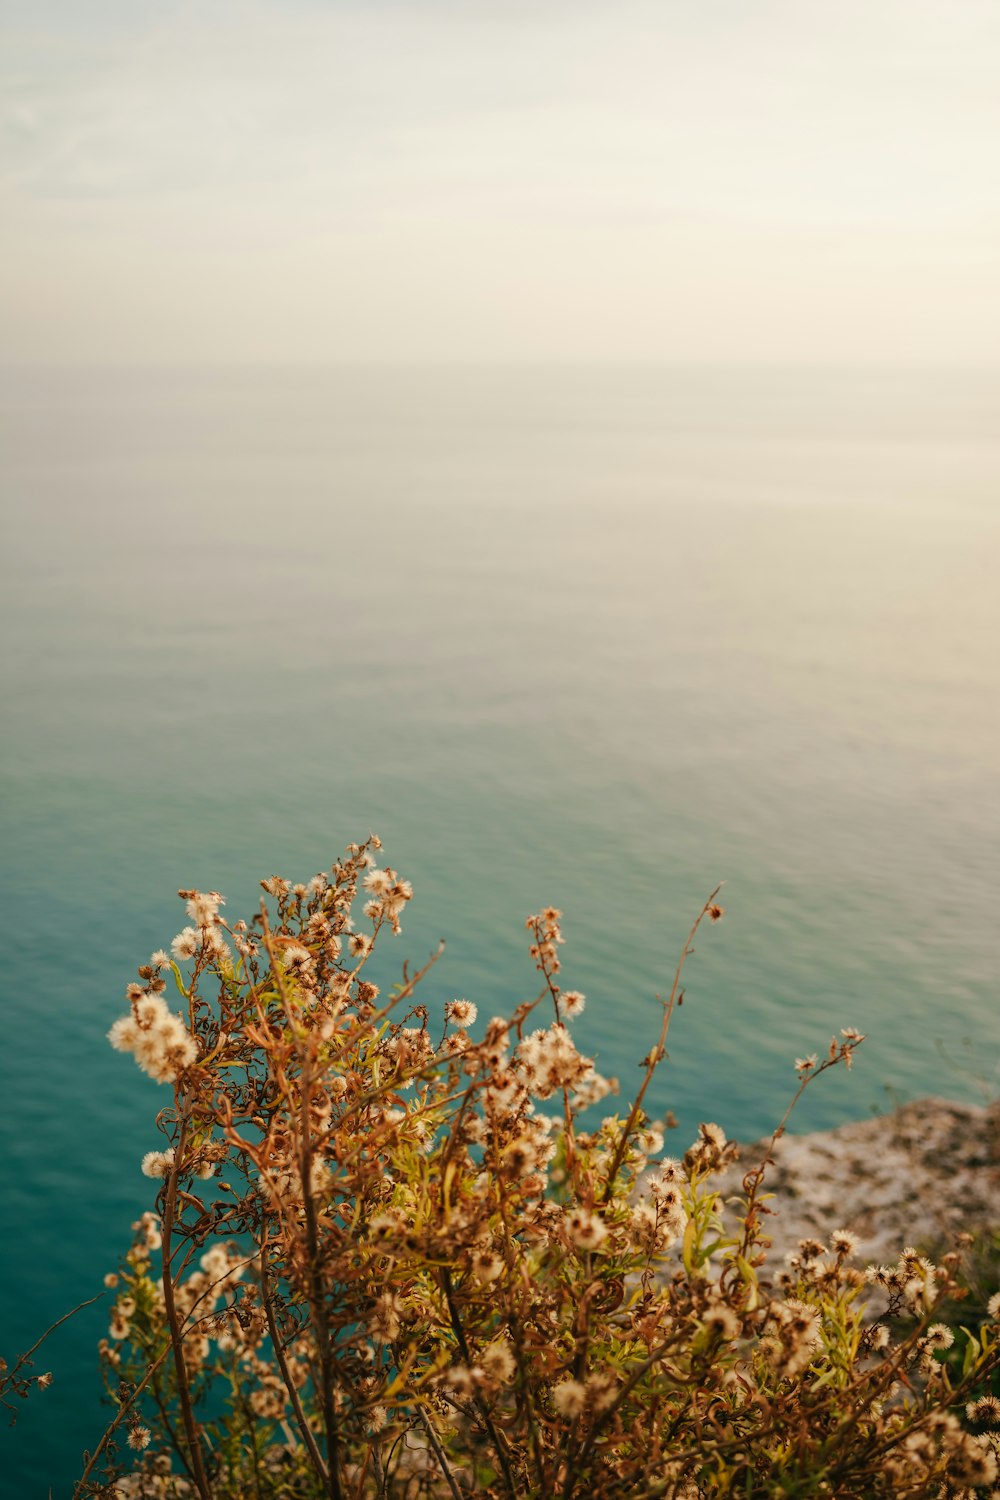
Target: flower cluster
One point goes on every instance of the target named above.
(393, 1256)
(157, 1038)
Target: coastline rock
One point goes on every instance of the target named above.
(915, 1177)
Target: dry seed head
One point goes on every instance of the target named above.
(157, 1163)
(569, 1398)
(460, 1013)
(448, 1165)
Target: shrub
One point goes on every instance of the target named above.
(389, 1259)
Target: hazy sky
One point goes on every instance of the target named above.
(512, 179)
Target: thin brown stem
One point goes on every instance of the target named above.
(293, 1395)
(169, 1429)
(123, 1410)
(517, 1336)
(316, 1289)
(176, 1335)
(439, 1453)
(26, 1356)
(314, 1260)
(569, 1134)
(487, 1421)
(756, 1177)
(13, 1377)
(659, 1051)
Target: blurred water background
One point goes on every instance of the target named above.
(591, 638)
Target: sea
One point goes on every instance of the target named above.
(592, 637)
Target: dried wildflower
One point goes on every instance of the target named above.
(378, 881)
(484, 1266)
(120, 1326)
(843, 1242)
(879, 1335)
(974, 1461)
(721, 1320)
(547, 1061)
(523, 1154)
(586, 1230)
(917, 1277)
(571, 1004)
(147, 1228)
(391, 895)
(124, 1034)
(668, 1174)
(385, 1321)
(461, 1381)
(985, 1410)
(269, 1400)
(795, 1330)
(409, 1218)
(591, 1087)
(940, 1336)
(186, 944)
(294, 955)
(157, 1163)
(569, 1398)
(602, 1387)
(710, 1151)
(158, 1040)
(203, 907)
(108, 1355)
(548, 936)
(497, 1362)
(647, 1230)
(150, 1012)
(139, 1437)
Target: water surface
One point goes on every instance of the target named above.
(597, 639)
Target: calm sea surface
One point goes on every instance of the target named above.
(592, 639)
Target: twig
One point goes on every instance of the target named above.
(317, 1290)
(176, 1336)
(658, 1052)
(435, 1443)
(293, 1394)
(10, 1376)
(459, 1332)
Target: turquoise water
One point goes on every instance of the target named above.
(596, 639)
